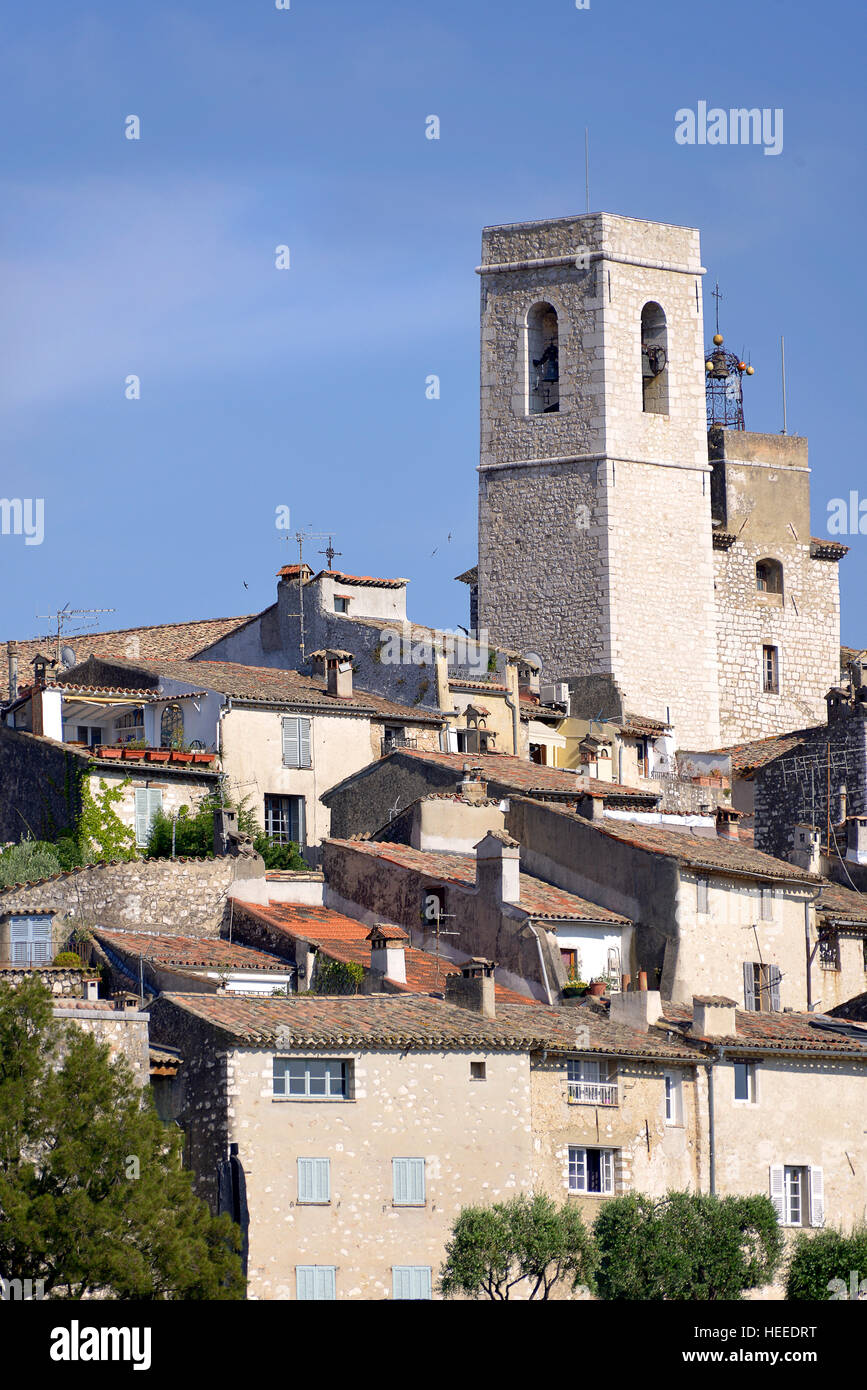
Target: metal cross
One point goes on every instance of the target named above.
(717, 296)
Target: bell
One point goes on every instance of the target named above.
(719, 369)
(551, 372)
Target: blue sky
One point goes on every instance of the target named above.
(306, 388)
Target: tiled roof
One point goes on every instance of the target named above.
(175, 640)
(470, 576)
(711, 852)
(640, 724)
(381, 1020)
(265, 683)
(344, 939)
(538, 898)
(774, 1032)
(519, 774)
(747, 757)
(367, 580)
(823, 549)
(196, 953)
(839, 904)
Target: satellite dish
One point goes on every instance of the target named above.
(67, 657)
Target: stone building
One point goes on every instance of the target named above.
(668, 572)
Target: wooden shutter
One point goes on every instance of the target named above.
(305, 759)
(749, 985)
(141, 815)
(774, 977)
(408, 1174)
(314, 1180)
(290, 741)
(606, 1173)
(778, 1190)
(411, 1281)
(817, 1197)
(315, 1282)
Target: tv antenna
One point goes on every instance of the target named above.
(301, 537)
(66, 615)
(438, 919)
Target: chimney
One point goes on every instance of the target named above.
(837, 700)
(727, 823)
(713, 1016)
(637, 1008)
(498, 867)
(12, 650)
(856, 832)
(388, 951)
(473, 787)
(842, 804)
(338, 670)
(474, 987)
(91, 989)
(806, 849)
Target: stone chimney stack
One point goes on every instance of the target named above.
(856, 832)
(473, 787)
(806, 850)
(713, 1016)
(474, 987)
(12, 650)
(498, 867)
(637, 1008)
(388, 951)
(727, 823)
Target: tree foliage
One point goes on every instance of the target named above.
(337, 977)
(194, 834)
(829, 1265)
(526, 1241)
(93, 1197)
(27, 862)
(686, 1246)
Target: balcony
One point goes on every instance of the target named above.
(392, 742)
(593, 1093)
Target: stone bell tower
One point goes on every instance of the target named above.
(594, 485)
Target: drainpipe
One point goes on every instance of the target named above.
(545, 980)
(809, 959)
(711, 1133)
(510, 704)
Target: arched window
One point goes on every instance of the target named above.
(654, 360)
(769, 577)
(172, 727)
(543, 360)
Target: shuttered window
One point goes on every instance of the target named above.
(762, 986)
(308, 1078)
(148, 800)
(314, 1180)
(701, 887)
(408, 1178)
(315, 1281)
(296, 742)
(30, 940)
(591, 1170)
(411, 1281)
(798, 1195)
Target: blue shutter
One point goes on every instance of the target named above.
(305, 759)
(749, 986)
(315, 1282)
(290, 742)
(314, 1180)
(141, 815)
(411, 1281)
(408, 1176)
(775, 975)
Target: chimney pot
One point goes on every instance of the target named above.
(727, 823)
(474, 988)
(388, 951)
(642, 979)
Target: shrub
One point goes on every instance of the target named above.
(828, 1265)
(28, 861)
(68, 958)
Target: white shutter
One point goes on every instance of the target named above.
(578, 1170)
(290, 742)
(141, 815)
(701, 886)
(817, 1197)
(408, 1174)
(606, 1164)
(749, 986)
(304, 757)
(314, 1180)
(315, 1282)
(777, 1190)
(305, 1281)
(325, 1282)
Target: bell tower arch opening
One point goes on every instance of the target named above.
(654, 360)
(543, 360)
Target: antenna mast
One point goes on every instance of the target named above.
(64, 615)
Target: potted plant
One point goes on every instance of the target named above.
(574, 987)
(159, 755)
(104, 750)
(597, 986)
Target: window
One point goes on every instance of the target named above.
(408, 1182)
(296, 742)
(770, 670)
(477, 1071)
(129, 727)
(308, 1078)
(433, 906)
(769, 577)
(673, 1098)
(30, 940)
(798, 1195)
(745, 1082)
(172, 727)
(411, 1281)
(315, 1281)
(284, 819)
(314, 1180)
(702, 896)
(767, 904)
(654, 360)
(148, 800)
(591, 1170)
(761, 986)
(91, 735)
(591, 1082)
(341, 604)
(829, 951)
(543, 360)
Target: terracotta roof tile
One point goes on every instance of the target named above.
(747, 757)
(519, 774)
(200, 953)
(774, 1032)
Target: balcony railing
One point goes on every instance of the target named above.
(391, 744)
(593, 1093)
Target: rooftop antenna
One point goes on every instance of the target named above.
(783, 372)
(587, 166)
(329, 552)
(64, 616)
(301, 537)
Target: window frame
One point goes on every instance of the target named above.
(772, 673)
(673, 1099)
(282, 813)
(607, 1160)
(702, 897)
(345, 1063)
(751, 1076)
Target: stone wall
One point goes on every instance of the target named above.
(789, 794)
(185, 895)
(38, 785)
(63, 981)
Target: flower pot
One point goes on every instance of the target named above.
(182, 757)
(133, 754)
(203, 757)
(107, 752)
(596, 988)
(158, 755)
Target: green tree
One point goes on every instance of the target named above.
(829, 1265)
(27, 862)
(527, 1240)
(337, 977)
(93, 1197)
(686, 1246)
